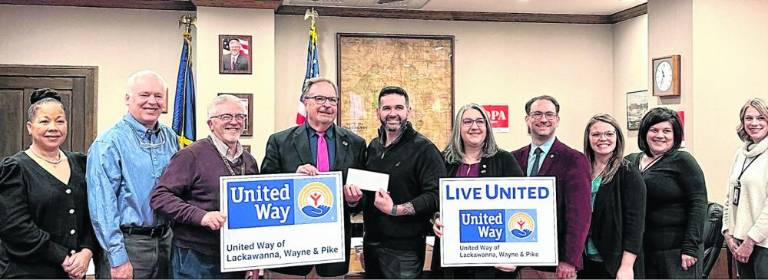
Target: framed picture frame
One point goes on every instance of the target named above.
(235, 54)
(247, 100)
(423, 65)
(247, 148)
(637, 106)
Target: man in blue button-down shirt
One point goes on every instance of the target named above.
(124, 164)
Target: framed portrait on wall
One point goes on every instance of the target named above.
(235, 54)
(247, 101)
(637, 105)
(423, 65)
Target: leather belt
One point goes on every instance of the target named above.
(148, 231)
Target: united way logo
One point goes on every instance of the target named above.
(315, 199)
(522, 225)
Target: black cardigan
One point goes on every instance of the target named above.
(41, 219)
(618, 218)
(502, 164)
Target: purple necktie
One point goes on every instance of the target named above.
(322, 153)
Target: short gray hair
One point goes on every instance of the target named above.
(135, 76)
(454, 151)
(310, 82)
(221, 99)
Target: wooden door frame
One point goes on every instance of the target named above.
(89, 73)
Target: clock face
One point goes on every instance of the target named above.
(664, 76)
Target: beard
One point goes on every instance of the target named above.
(392, 127)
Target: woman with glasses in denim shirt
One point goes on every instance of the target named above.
(472, 152)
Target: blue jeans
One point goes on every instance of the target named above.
(190, 264)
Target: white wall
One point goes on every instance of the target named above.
(495, 63)
(630, 65)
(118, 41)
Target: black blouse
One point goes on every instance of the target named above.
(42, 220)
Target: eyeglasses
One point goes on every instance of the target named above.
(145, 139)
(229, 117)
(468, 122)
(321, 99)
(607, 134)
(539, 115)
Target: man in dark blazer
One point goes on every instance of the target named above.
(235, 61)
(296, 150)
(547, 156)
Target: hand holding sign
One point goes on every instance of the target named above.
(213, 220)
(308, 169)
(437, 227)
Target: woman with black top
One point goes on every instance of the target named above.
(45, 229)
(676, 201)
(472, 152)
(618, 205)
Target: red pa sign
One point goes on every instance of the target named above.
(499, 115)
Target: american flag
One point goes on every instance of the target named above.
(313, 69)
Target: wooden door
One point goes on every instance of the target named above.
(75, 84)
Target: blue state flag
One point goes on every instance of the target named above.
(184, 101)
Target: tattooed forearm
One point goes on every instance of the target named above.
(407, 209)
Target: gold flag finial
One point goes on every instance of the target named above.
(187, 21)
(311, 15)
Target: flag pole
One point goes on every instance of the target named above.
(184, 100)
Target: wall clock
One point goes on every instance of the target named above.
(666, 76)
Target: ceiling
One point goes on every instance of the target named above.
(584, 7)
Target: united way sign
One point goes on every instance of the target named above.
(493, 221)
(281, 220)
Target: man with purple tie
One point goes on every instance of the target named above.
(547, 156)
(316, 146)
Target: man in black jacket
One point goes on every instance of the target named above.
(396, 221)
(316, 146)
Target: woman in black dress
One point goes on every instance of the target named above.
(472, 152)
(45, 229)
(676, 201)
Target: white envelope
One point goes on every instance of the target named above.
(367, 180)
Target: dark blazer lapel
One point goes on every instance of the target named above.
(550, 157)
(301, 144)
(523, 161)
(342, 147)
